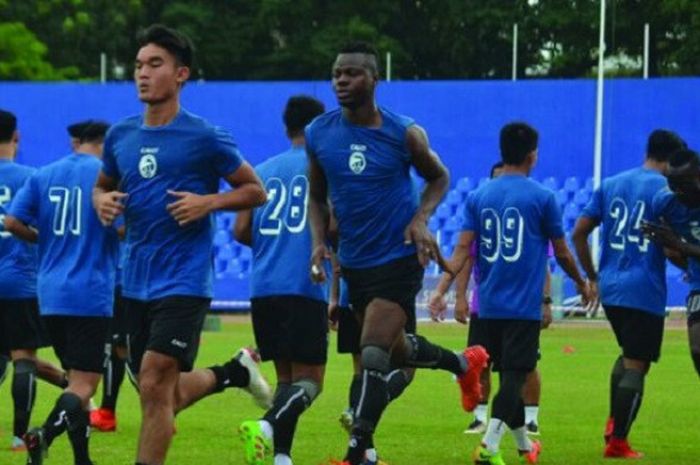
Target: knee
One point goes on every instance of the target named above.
(152, 389)
(375, 358)
(312, 389)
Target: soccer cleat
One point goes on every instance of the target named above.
(374, 462)
(620, 449)
(532, 455)
(346, 419)
(476, 427)
(532, 429)
(483, 457)
(609, 428)
(257, 386)
(477, 359)
(103, 419)
(18, 445)
(37, 449)
(256, 445)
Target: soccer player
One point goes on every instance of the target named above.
(631, 280)
(21, 329)
(162, 170)
(289, 311)
(75, 130)
(478, 334)
(75, 283)
(514, 219)
(360, 156)
(679, 209)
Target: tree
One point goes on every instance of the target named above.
(22, 56)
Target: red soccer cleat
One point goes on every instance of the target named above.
(609, 428)
(477, 359)
(532, 455)
(620, 449)
(103, 420)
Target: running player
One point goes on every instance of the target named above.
(289, 311)
(21, 328)
(75, 130)
(514, 219)
(632, 280)
(679, 209)
(75, 284)
(360, 156)
(162, 170)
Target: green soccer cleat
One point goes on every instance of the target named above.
(256, 444)
(346, 419)
(483, 457)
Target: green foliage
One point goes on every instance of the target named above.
(22, 56)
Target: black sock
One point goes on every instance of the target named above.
(4, 362)
(230, 374)
(67, 404)
(396, 382)
(79, 435)
(615, 376)
(284, 414)
(425, 354)
(508, 403)
(112, 380)
(23, 394)
(627, 402)
(354, 392)
(367, 414)
(280, 390)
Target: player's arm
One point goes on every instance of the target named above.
(319, 217)
(584, 227)
(334, 297)
(247, 192)
(20, 230)
(243, 228)
(547, 298)
(437, 178)
(568, 264)
(107, 199)
(461, 285)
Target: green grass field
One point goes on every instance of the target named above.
(425, 425)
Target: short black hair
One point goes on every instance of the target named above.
(361, 46)
(8, 126)
(496, 166)
(76, 129)
(94, 132)
(300, 111)
(175, 42)
(662, 143)
(518, 139)
(682, 157)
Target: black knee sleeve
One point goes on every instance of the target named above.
(23, 393)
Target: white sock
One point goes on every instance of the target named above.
(531, 412)
(521, 439)
(481, 412)
(267, 429)
(371, 455)
(283, 459)
(494, 432)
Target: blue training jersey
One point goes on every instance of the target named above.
(77, 255)
(513, 218)
(685, 222)
(162, 258)
(632, 271)
(280, 233)
(18, 259)
(370, 186)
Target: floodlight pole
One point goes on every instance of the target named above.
(103, 67)
(515, 52)
(388, 66)
(598, 149)
(646, 51)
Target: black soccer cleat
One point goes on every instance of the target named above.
(37, 448)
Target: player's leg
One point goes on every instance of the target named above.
(531, 398)
(4, 363)
(694, 339)
(348, 342)
(477, 336)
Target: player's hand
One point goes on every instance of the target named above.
(584, 289)
(437, 306)
(546, 316)
(661, 234)
(333, 315)
(188, 207)
(426, 246)
(318, 258)
(461, 310)
(594, 303)
(109, 206)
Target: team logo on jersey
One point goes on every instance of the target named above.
(357, 161)
(148, 166)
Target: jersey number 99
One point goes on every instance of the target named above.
(501, 236)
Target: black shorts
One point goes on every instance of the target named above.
(350, 331)
(398, 281)
(638, 333)
(169, 326)
(478, 334)
(118, 323)
(693, 308)
(291, 328)
(21, 326)
(78, 341)
(513, 345)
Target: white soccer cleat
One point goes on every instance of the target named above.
(258, 386)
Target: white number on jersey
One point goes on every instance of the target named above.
(501, 236)
(67, 209)
(295, 196)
